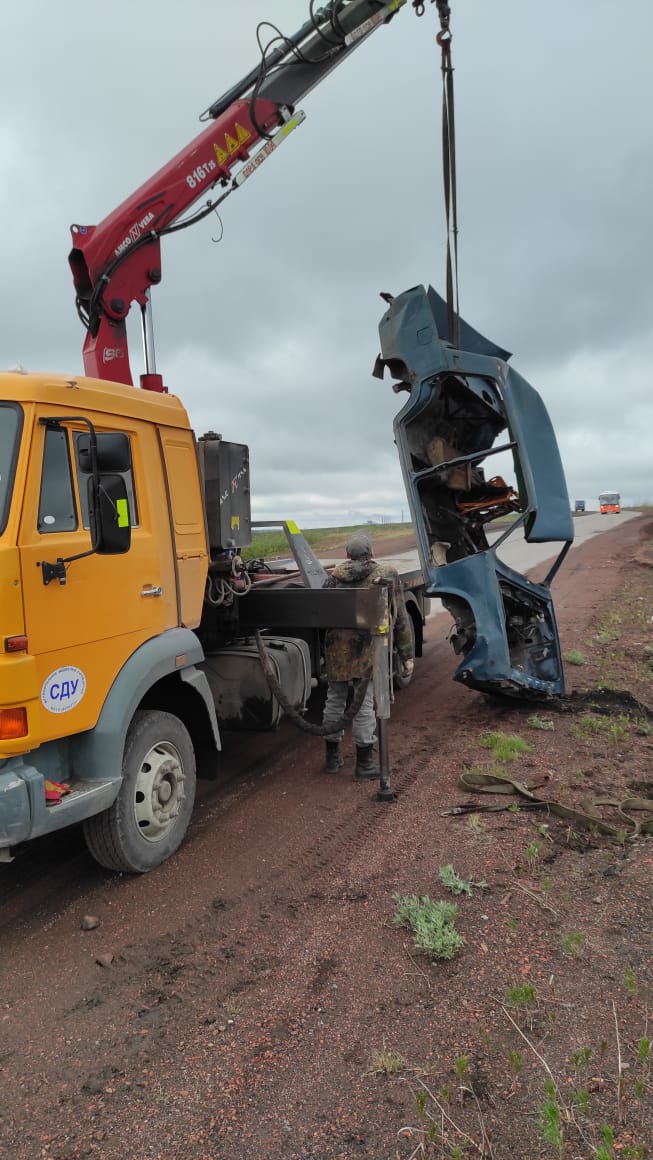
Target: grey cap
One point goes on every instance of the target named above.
(359, 546)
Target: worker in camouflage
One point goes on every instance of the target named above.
(349, 656)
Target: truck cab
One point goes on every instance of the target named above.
(131, 631)
(88, 627)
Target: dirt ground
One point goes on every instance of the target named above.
(254, 999)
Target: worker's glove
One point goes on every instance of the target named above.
(407, 668)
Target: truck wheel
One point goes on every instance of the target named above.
(150, 816)
(398, 681)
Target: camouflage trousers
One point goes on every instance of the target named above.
(363, 726)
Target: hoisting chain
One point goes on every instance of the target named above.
(449, 172)
(448, 166)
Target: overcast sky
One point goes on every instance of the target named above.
(270, 335)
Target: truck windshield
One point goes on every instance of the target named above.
(11, 418)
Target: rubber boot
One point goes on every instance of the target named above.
(366, 767)
(333, 758)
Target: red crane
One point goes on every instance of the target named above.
(115, 263)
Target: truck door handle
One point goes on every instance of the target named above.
(152, 592)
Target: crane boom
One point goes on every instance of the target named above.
(115, 263)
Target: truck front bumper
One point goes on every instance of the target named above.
(23, 810)
(18, 783)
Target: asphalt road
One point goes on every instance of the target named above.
(528, 558)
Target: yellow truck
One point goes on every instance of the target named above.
(98, 576)
(127, 616)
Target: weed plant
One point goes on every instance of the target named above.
(533, 852)
(574, 657)
(536, 722)
(572, 942)
(452, 881)
(505, 746)
(457, 885)
(608, 728)
(387, 1062)
(522, 995)
(433, 924)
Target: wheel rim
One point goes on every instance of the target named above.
(159, 792)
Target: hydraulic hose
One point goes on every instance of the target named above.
(360, 688)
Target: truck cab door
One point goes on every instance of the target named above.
(83, 626)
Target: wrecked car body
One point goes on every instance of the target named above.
(467, 406)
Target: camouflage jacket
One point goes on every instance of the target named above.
(348, 651)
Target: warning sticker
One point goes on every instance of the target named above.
(63, 689)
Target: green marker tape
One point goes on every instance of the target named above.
(122, 509)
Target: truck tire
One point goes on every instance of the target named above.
(398, 681)
(149, 818)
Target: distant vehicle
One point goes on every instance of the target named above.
(579, 505)
(610, 501)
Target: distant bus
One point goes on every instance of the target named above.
(609, 501)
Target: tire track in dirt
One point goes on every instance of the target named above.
(145, 983)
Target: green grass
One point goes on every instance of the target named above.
(533, 852)
(521, 995)
(572, 942)
(574, 657)
(612, 729)
(433, 924)
(273, 544)
(452, 881)
(630, 982)
(551, 1117)
(537, 722)
(505, 746)
(387, 1062)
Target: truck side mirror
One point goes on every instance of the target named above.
(109, 513)
(113, 452)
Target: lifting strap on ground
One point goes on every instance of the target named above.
(588, 818)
